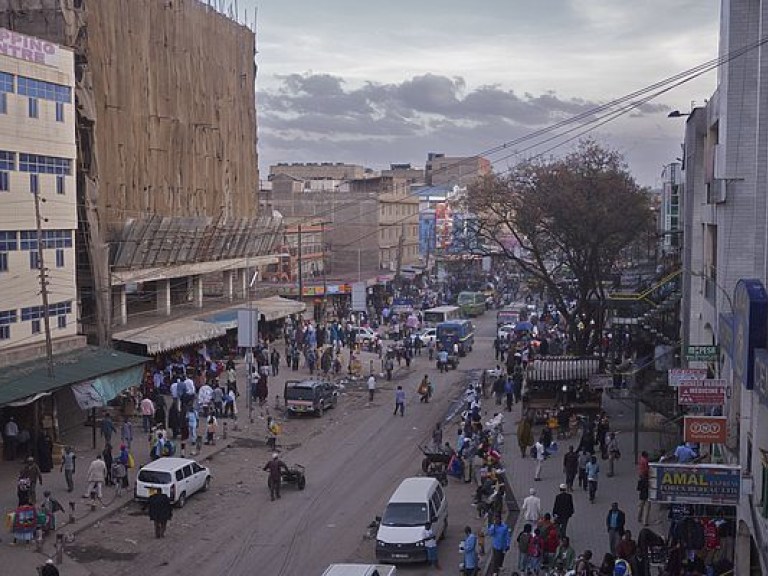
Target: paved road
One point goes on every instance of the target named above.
(355, 456)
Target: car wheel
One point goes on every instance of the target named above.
(320, 411)
(182, 500)
(207, 485)
(301, 483)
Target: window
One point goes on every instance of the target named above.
(5, 181)
(7, 160)
(34, 261)
(8, 241)
(3, 261)
(37, 312)
(7, 317)
(60, 187)
(35, 326)
(5, 332)
(34, 183)
(3, 103)
(38, 164)
(45, 90)
(61, 321)
(34, 109)
(59, 112)
(51, 239)
(59, 257)
(6, 82)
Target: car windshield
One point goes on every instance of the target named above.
(405, 514)
(154, 477)
(299, 394)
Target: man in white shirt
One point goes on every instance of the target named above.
(205, 394)
(531, 508)
(371, 388)
(540, 454)
(11, 434)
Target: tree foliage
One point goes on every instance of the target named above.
(568, 217)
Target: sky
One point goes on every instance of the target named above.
(375, 83)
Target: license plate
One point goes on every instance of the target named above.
(399, 555)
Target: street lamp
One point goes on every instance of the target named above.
(677, 114)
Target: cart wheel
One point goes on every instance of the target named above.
(425, 465)
(301, 482)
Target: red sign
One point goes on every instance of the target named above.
(692, 393)
(705, 429)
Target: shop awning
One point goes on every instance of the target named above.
(173, 334)
(31, 378)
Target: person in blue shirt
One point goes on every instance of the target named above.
(684, 453)
(501, 538)
(593, 473)
(470, 552)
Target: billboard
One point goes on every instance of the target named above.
(247, 328)
(678, 375)
(700, 484)
(705, 429)
(28, 48)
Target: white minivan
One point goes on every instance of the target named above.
(416, 502)
(177, 478)
(360, 570)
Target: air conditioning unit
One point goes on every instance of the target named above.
(717, 191)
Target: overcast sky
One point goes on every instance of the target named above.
(375, 83)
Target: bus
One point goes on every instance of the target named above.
(471, 303)
(434, 316)
(512, 314)
(460, 332)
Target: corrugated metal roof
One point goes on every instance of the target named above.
(30, 378)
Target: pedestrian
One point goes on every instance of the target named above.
(614, 523)
(371, 388)
(11, 435)
(49, 569)
(644, 504)
(96, 476)
(107, 455)
(570, 467)
(613, 453)
(563, 509)
(565, 555)
(626, 549)
(523, 543)
(107, 427)
(643, 465)
(499, 533)
(68, 467)
(524, 435)
(469, 548)
(275, 467)
(531, 508)
(210, 430)
(160, 511)
(582, 464)
(148, 412)
(119, 477)
(535, 552)
(430, 545)
(541, 453)
(399, 401)
(509, 393)
(126, 432)
(593, 474)
(191, 425)
(31, 473)
(437, 436)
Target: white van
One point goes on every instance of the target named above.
(177, 478)
(360, 570)
(416, 502)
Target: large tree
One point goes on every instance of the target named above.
(566, 217)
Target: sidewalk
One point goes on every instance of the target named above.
(586, 528)
(24, 559)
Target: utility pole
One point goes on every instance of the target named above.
(400, 242)
(301, 273)
(325, 277)
(43, 286)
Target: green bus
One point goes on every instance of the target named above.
(471, 303)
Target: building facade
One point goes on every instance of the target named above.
(38, 156)
(318, 170)
(725, 258)
(455, 170)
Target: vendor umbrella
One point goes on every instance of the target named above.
(523, 327)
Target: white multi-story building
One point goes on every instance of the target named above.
(725, 258)
(37, 157)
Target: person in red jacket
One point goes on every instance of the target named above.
(551, 542)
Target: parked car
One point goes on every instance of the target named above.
(427, 336)
(177, 478)
(363, 334)
(506, 330)
(309, 396)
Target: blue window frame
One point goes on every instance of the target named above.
(7, 160)
(3, 261)
(8, 241)
(51, 239)
(36, 312)
(5, 181)
(45, 90)
(62, 321)
(34, 183)
(60, 184)
(38, 164)
(6, 82)
(8, 317)
(59, 257)
(33, 108)
(34, 261)
(59, 112)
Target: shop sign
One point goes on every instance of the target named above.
(27, 48)
(676, 376)
(700, 484)
(750, 314)
(359, 297)
(705, 429)
(709, 392)
(701, 353)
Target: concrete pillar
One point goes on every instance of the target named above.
(228, 284)
(197, 290)
(241, 283)
(119, 306)
(163, 297)
(741, 555)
